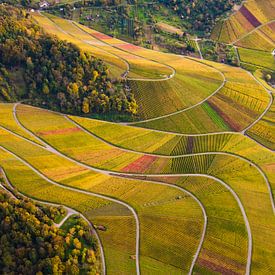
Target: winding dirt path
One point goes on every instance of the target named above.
(248, 264)
(117, 174)
(198, 47)
(182, 110)
(106, 172)
(248, 33)
(69, 210)
(256, 166)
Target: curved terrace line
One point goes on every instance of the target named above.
(183, 155)
(70, 211)
(104, 171)
(199, 103)
(184, 109)
(123, 203)
(86, 193)
(129, 65)
(130, 177)
(248, 33)
(120, 175)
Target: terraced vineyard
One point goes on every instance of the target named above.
(251, 29)
(192, 77)
(188, 189)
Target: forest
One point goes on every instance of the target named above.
(30, 243)
(44, 71)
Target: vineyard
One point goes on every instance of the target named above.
(186, 188)
(61, 168)
(198, 79)
(233, 107)
(251, 29)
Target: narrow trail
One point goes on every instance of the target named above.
(198, 47)
(130, 177)
(86, 193)
(69, 210)
(248, 33)
(237, 55)
(117, 174)
(129, 65)
(121, 202)
(256, 166)
(6, 189)
(182, 110)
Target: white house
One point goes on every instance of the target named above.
(44, 4)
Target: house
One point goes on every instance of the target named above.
(44, 4)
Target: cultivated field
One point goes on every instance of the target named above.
(251, 29)
(187, 189)
(106, 165)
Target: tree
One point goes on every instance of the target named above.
(73, 90)
(77, 243)
(85, 106)
(268, 77)
(45, 89)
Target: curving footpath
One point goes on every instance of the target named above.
(51, 149)
(184, 155)
(86, 193)
(69, 210)
(126, 61)
(182, 110)
(131, 175)
(106, 172)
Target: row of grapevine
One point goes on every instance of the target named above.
(251, 15)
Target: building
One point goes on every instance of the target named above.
(44, 4)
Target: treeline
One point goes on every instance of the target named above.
(56, 74)
(31, 244)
